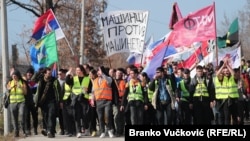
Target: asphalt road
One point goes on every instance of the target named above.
(40, 137)
(65, 138)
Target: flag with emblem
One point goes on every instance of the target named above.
(44, 52)
(232, 36)
(192, 29)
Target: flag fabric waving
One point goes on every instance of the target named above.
(197, 26)
(207, 59)
(232, 36)
(34, 60)
(233, 53)
(139, 59)
(159, 50)
(175, 16)
(54, 70)
(147, 51)
(154, 48)
(44, 53)
(199, 54)
(134, 59)
(155, 62)
(45, 24)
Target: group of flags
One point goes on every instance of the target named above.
(194, 35)
(46, 31)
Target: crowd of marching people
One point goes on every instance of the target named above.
(88, 101)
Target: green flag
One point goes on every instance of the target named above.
(232, 36)
(47, 50)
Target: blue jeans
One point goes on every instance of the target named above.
(136, 108)
(17, 115)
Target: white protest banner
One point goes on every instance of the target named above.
(124, 31)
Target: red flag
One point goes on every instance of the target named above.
(190, 62)
(197, 56)
(175, 16)
(197, 26)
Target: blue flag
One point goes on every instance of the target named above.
(44, 53)
(155, 63)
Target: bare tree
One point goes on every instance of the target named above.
(244, 28)
(68, 13)
(244, 22)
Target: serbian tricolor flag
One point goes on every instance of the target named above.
(196, 57)
(45, 24)
(160, 49)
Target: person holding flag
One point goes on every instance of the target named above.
(48, 97)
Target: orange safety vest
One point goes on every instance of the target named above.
(102, 91)
(121, 86)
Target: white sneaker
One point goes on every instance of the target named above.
(102, 135)
(111, 135)
(79, 135)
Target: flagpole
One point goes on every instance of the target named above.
(165, 51)
(5, 63)
(216, 47)
(145, 47)
(109, 62)
(141, 59)
(142, 54)
(69, 46)
(63, 33)
(196, 58)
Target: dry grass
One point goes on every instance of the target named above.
(8, 137)
(1, 122)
